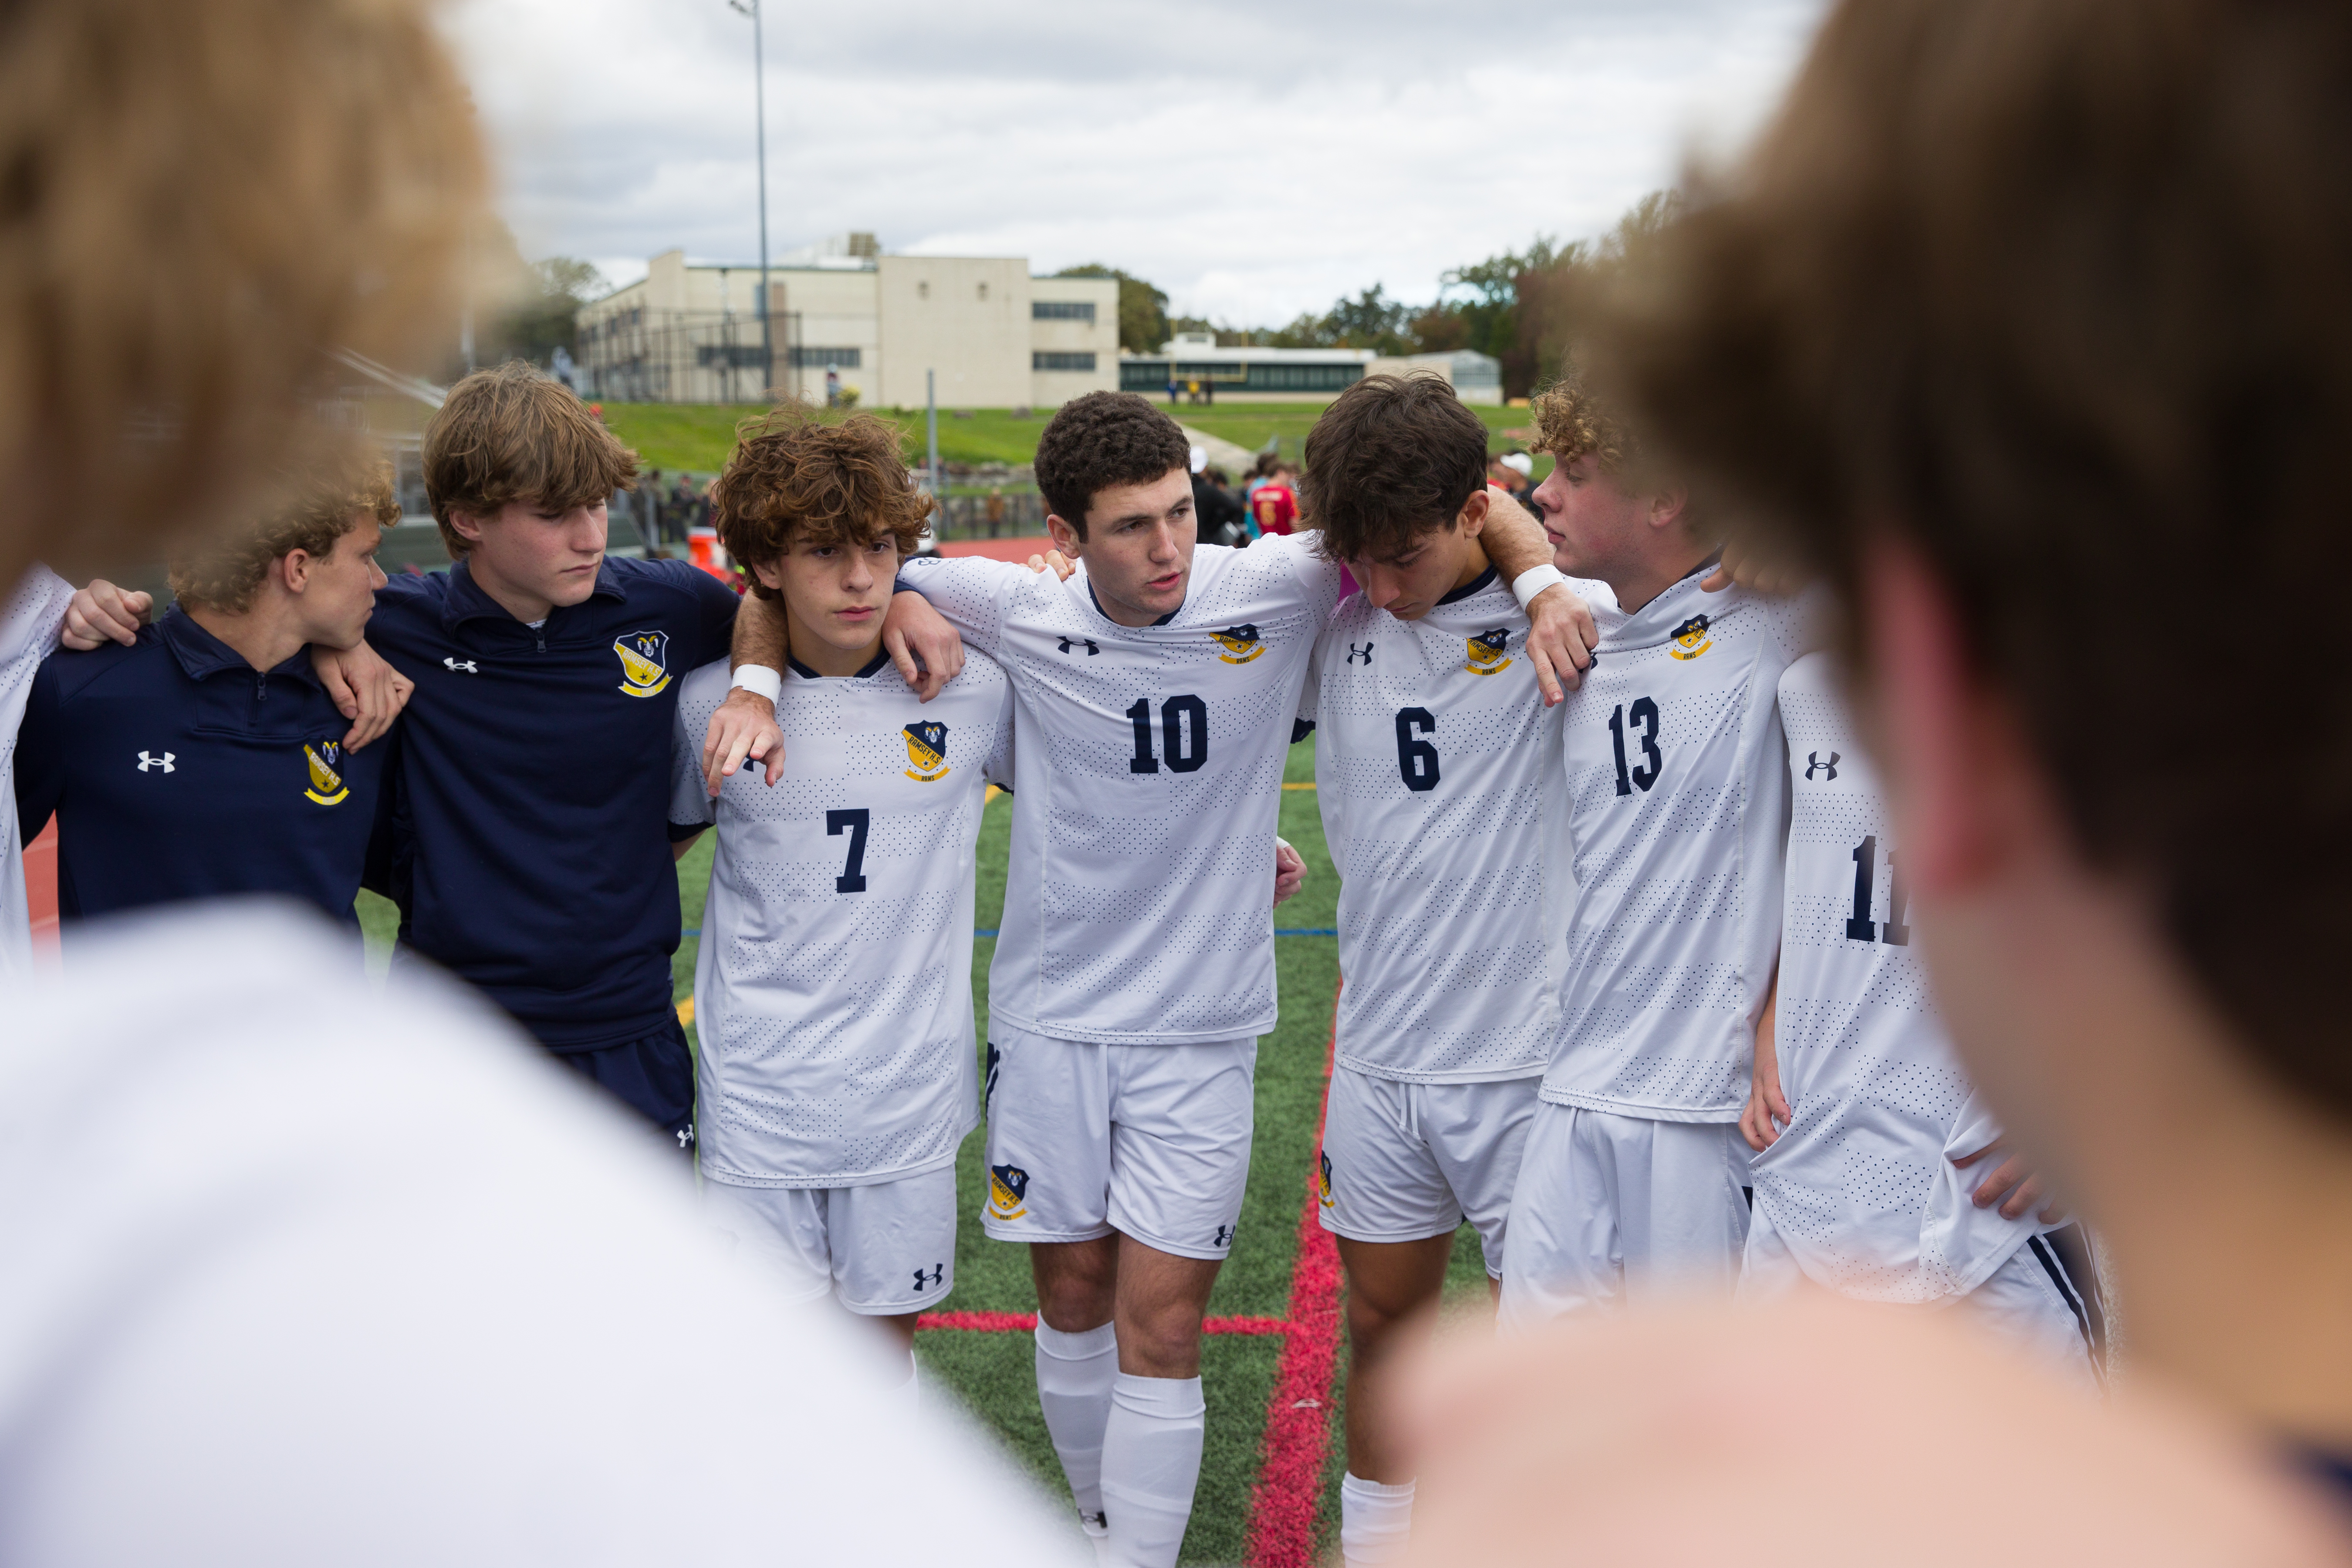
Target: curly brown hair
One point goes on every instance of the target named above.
(324, 503)
(1392, 458)
(1572, 422)
(1102, 440)
(515, 433)
(793, 479)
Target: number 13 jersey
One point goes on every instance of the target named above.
(1437, 769)
(1678, 786)
(1139, 907)
(833, 989)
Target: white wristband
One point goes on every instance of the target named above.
(1534, 581)
(759, 677)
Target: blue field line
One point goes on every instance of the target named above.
(990, 931)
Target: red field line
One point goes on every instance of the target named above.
(1298, 1413)
(1024, 1322)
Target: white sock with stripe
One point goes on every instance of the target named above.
(1374, 1521)
(1150, 1465)
(1074, 1379)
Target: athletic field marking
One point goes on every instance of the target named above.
(685, 1013)
(990, 931)
(1304, 786)
(1027, 1322)
(1298, 1429)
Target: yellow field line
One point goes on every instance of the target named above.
(1298, 786)
(686, 1012)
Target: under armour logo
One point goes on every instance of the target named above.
(1363, 653)
(148, 760)
(1829, 769)
(1091, 648)
(931, 1281)
(455, 665)
(1224, 1234)
(686, 1136)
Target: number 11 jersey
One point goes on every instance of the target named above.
(1437, 768)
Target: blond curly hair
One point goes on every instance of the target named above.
(325, 500)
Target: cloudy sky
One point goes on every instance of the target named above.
(1253, 160)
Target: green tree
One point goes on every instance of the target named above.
(1143, 325)
(541, 313)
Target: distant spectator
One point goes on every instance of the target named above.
(832, 388)
(1519, 469)
(1274, 505)
(1216, 514)
(995, 510)
(650, 498)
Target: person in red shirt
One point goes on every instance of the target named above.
(1274, 505)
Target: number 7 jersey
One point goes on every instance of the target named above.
(1678, 785)
(833, 989)
(1437, 769)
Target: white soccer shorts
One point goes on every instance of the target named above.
(1152, 1141)
(2043, 1301)
(882, 1249)
(1612, 1209)
(1404, 1162)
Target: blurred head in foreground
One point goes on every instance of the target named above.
(203, 201)
(309, 564)
(2026, 324)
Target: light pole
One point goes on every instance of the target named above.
(760, 99)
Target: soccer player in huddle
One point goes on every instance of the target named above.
(832, 987)
(1633, 1177)
(1865, 1124)
(1157, 690)
(1439, 776)
(205, 757)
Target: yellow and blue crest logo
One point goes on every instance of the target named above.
(1691, 639)
(927, 748)
(645, 661)
(1241, 644)
(1490, 652)
(1008, 1186)
(1323, 1179)
(326, 768)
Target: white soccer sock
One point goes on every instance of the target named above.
(1374, 1521)
(1150, 1464)
(1074, 1376)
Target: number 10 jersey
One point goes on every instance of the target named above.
(1437, 768)
(832, 990)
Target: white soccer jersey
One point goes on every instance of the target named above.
(1678, 789)
(1138, 905)
(832, 990)
(1437, 768)
(1861, 1186)
(30, 614)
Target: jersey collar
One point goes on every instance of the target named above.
(1099, 610)
(203, 656)
(1477, 584)
(873, 666)
(467, 602)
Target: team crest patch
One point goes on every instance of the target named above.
(645, 661)
(1691, 639)
(326, 767)
(1241, 644)
(1323, 1179)
(1490, 652)
(927, 748)
(1008, 1186)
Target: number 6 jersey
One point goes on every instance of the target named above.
(1139, 907)
(1862, 1185)
(1678, 791)
(1437, 769)
(832, 990)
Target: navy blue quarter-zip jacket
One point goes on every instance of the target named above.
(530, 843)
(178, 771)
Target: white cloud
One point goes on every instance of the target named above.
(1253, 160)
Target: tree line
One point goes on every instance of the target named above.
(1523, 307)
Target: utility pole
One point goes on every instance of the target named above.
(759, 103)
(931, 422)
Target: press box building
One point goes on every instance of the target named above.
(994, 336)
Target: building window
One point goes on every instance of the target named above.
(1062, 309)
(1265, 377)
(1041, 360)
(805, 358)
(1143, 375)
(740, 356)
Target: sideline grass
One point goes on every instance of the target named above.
(698, 436)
